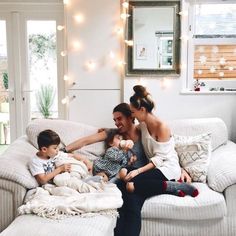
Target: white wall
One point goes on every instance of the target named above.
(171, 104)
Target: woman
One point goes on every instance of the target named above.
(159, 148)
(129, 221)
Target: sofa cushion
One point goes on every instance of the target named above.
(68, 131)
(191, 127)
(26, 225)
(221, 171)
(207, 205)
(194, 153)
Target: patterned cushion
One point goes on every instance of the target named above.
(194, 153)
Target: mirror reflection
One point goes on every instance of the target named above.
(154, 28)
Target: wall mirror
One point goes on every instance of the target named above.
(154, 28)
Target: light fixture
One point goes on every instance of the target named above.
(124, 16)
(67, 99)
(76, 45)
(60, 27)
(125, 5)
(129, 42)
(79, 18)
(111, 55)
(66, 77)
(66, 2)
(63, 53)
(91, 65)
(183, 13)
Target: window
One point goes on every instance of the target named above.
(212, 46)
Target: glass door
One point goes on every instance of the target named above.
(4, 88)
(32, 75)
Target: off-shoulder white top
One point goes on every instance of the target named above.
(162, 154)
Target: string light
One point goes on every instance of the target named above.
(121, 63)
(129, 42)
(60, 27)
(124, 16)
(66, 2)
(63, 53)
(65, 100)
(91, 65)
(183, 13)
(111, 55)
(125, 5)
(79, 18)
(76, 45)
(66, 77)
(231, 68)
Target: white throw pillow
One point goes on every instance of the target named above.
(194, 153)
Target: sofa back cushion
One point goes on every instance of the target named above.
(192, 127)
(68, 131)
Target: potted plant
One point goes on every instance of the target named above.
(4, 106)
(45, 97)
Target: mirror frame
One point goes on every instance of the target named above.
(175, 71)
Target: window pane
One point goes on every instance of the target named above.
(215, 19)
(215, 62)
(42, 68)
(4, 97)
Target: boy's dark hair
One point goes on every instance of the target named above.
(123, 108)
(47, 138)
(110, 136)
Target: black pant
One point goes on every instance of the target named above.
(149, 183)
(146, 184)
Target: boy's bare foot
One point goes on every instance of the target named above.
(130, 187)
(122, 173)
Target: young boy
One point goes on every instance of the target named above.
(117, 155)
(42, 165)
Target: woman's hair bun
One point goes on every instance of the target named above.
(140, 91)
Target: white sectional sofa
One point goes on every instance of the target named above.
(211, 213)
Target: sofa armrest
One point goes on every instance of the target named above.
(14, 163)
(221, 170)
(230, 196)
(11, 197)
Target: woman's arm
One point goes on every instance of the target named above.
(142, 169)
(98, 137)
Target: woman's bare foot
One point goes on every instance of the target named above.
(122, 173)
(130, 187)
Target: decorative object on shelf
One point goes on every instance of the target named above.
(197, 85)
(45, 98)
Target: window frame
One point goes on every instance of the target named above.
(205, 40)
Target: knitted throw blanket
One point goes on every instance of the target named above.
(75, 193)
(58, 202)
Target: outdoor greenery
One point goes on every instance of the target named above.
(5, 80)
(42, 46)
(45, 97)
(5, 85)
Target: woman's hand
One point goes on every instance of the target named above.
(185, 177)
(131, 175)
